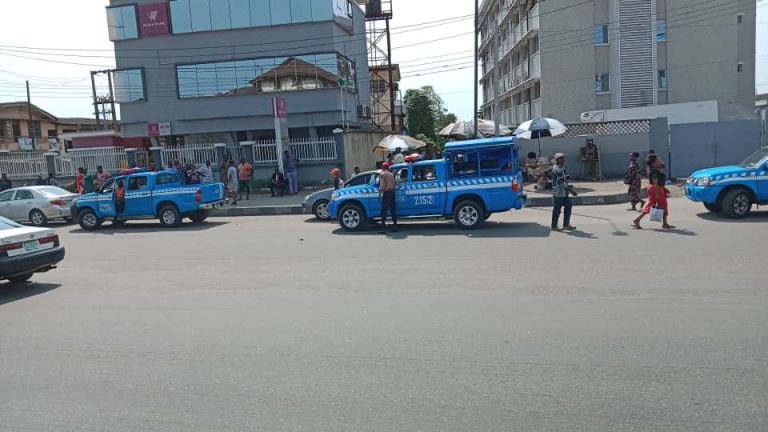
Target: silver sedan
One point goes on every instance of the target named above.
(36, 204)
(317, 202)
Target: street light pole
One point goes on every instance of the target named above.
(477, 60)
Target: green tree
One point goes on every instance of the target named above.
(419, 114)
(438, 106)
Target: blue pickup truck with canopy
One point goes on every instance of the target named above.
(474, 179)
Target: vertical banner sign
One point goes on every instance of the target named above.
(153, 130)
(280, 112)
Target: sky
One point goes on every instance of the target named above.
(62, 34)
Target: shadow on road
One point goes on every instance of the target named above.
(10, 293)
(754, 217)
(149, 226)
(490, 229)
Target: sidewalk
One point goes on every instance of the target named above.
(590, 193)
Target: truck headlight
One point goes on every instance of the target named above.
(706, 181)
(334, 195)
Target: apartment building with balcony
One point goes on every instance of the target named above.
(561, 58)
(207, 70)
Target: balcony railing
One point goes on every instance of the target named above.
(536, 108)
(535, 66)
(526, 71)
(533, 18)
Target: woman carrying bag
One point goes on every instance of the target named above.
(657, 205)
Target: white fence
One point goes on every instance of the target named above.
(23, 165)
(306, 150)
(112, 159)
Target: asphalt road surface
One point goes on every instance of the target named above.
(284, 324)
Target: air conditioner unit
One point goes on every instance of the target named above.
(364, 111)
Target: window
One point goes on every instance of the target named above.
(359, 180)
(401, 175)
(307, 72)
(129, 85)
(16, 128)
(23, 195)
(165, 179)
(739, 18)
(378, 86)
(663, 79)
(137, 183)
(36, 128)
(602, 83)
(601, 34)
(108, 186)
(424, 173)
(661, 30)
(7, 224)
(740, 67)
(122, 23)
(6, 196)
(2, 129)
(190, 16)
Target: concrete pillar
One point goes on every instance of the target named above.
(248, 150)
(50, 163)
(130, 153)
(313, 133)
(338, 136)
(157, 156)
(220, 158)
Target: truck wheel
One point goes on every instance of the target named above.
(38, 218)
(169, 216)
(713, 207)
(199, 216)
(737, 203)
(88, 220)
(20, 279)
(320, 210)
(468, 214)
(352, 217)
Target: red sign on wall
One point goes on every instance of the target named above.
(279, 107)
(153, 129)
(153, 19)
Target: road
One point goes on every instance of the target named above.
(285, 324)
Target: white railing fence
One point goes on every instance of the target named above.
(306, 150)
(112, 159)
(23, 165)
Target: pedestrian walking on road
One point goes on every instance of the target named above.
(244, 176)
(79, 181)
(633, 178)
(119, 199)
(290, 163)
(88, 181)
(387, 198)
(232, 181)
(5, 182)
(657, 198)
(561, 192)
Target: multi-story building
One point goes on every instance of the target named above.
(561, 58)
(381, 98)
(207, 70)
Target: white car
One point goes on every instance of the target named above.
(27, 250)
(36, 204)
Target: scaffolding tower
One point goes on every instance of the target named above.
(384, 75)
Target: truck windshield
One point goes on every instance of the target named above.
(753, 160)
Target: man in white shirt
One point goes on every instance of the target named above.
(399, 158)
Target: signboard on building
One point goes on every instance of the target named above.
(155, 130)
(279, 107)
(153, 19)
(53, 144)
(25, 143)
(165, 129)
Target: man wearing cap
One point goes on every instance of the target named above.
(561, 191)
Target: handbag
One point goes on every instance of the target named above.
(657, 214)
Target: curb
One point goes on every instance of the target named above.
(618, 198)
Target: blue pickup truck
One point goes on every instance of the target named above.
(148, 195)
(474, 179)
(732, 190)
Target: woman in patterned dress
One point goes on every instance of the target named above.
(634, 177)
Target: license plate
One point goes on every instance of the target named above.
(31, 246)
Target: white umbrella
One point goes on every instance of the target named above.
(540, 127)
(403, 142)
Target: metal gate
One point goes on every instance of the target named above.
(703, 145)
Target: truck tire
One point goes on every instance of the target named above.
(199, 216)
(737, 203)
(20, 279)
(87, 219)
(468, 214)
(169, 216)
(352, 217)
(714, 208)
(320, 210)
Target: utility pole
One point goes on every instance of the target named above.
(477, 60)
(95, 100)
(391, 81)
(112, 101)
(31, 129)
